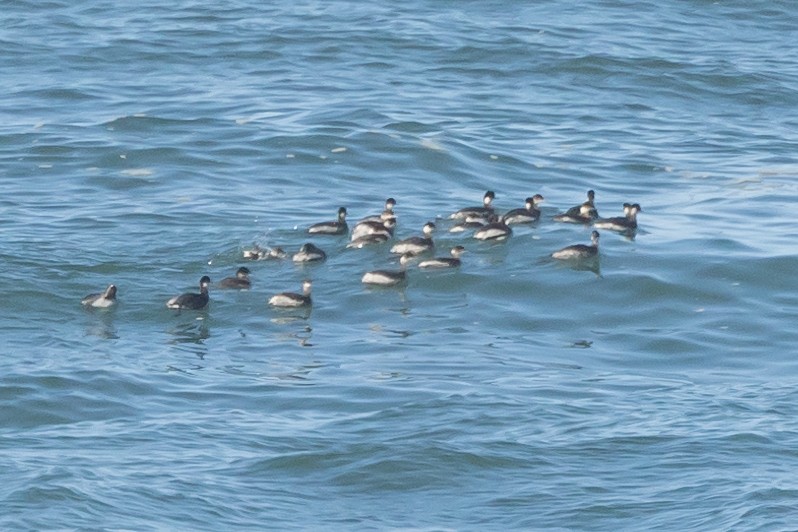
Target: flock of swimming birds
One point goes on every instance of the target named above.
(483, 221)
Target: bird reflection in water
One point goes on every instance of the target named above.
(191, 335)
(302, 335)
(101, 324)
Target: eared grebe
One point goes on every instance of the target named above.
(471, 223)
(445, 262)
(387, 213)
(101, 300)
(528, 214)
(192, 301)
(383, 227)
(337, 227)
(258, 253)
(309, 253)
(495, 230)
(580, 214)
(240, 281)
(367, 240)
(585, 215)
(291, 299)
(389, 277)
(579, 251)
(416, 244)
(483, 211)
(621, 223)
(590, 201)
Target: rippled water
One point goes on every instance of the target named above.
(147, 146)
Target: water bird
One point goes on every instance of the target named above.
(309, 253)
(470, 223)
(590, 201)
(585, 215)
(258, 253)
(579, 251)
(628, 222)
(445, 262)
(240, 281)
(367, 240)
(416, 244)
(102, 299)
(337, 227)
(372, 227)
(192, 301)
(386, 214)
(485, 210)
(388, 277)
(292, 299)
(580, 214)
(496, 229)
(527, 214)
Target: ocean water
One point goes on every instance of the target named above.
(148, 145)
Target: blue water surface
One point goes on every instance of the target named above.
(148, 145)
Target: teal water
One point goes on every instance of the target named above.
(147, 146)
